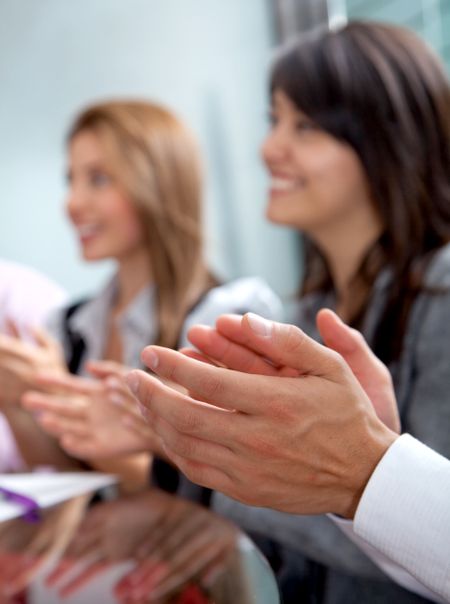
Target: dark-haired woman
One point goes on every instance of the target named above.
(359, 159)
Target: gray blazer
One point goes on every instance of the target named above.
(422, 385)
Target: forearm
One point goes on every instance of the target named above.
(36, 447)
(133, 470)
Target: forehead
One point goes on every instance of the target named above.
(86, 148)
(281, 102)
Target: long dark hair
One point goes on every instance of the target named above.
(380, 89)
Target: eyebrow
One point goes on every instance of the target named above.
(86, 166)
(92, 165)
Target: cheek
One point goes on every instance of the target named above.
(264, 150)
(125, 220)
(68, 209)
(133, 229)
(337, 176)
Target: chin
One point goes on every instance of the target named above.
(276, 216)
(93, 255)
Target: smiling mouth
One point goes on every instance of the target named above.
(281, 186)
(87, 231)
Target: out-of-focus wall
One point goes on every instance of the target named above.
(207, 59)
(429, 18)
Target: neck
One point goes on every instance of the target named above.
(134, 273)
(344, 250)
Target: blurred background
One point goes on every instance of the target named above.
(207, 60)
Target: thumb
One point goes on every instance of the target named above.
(104, 369)
(12, 328)
(43, 339)
(345, 340)
(371, 373)
(287, 345)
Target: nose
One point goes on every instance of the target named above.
(76, 201)
(275, 147)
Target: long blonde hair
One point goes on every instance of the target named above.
(155, 161)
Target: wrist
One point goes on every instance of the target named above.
(376, 443)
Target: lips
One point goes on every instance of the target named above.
(281, 185)
(87, 232)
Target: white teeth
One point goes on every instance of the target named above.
(283, 184)
(87, 230)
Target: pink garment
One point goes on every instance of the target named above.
(26, 297)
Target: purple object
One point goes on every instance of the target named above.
(29, 505)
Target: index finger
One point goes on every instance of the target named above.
(234, 354)
(11, 346)
(228, 353)
(216, 385)
(70, 409)
(103, 369)
(69, 383)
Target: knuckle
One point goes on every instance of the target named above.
(385, 373)
(185, 447)
(336, 360)
(261, 447)
(195, 472)
(248, 364)
(145, 390)
(187, 421)
(358, 338)
(248, 496)
(170, 372)
(211, 386)
(294, 339)
(280, 408)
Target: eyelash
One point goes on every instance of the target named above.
(301, 125)
(304, 125)
(99, 179)
(271, 118)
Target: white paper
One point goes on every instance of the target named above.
(49, 489)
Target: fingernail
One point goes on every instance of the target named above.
(150, 358)
(262, 327)
(132, 380)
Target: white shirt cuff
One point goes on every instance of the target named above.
(405, 512)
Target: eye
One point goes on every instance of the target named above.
(272, 118)
(99, 179)
(304, 125)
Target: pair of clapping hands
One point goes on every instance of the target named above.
(272, 417)
(92, 418)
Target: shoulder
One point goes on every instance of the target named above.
(434, 302)
(438, 272)
(249, 294)
(429, 321)
(26, 278)
(59, 321)
(86, 313)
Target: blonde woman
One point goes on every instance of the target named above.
(135, 196)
